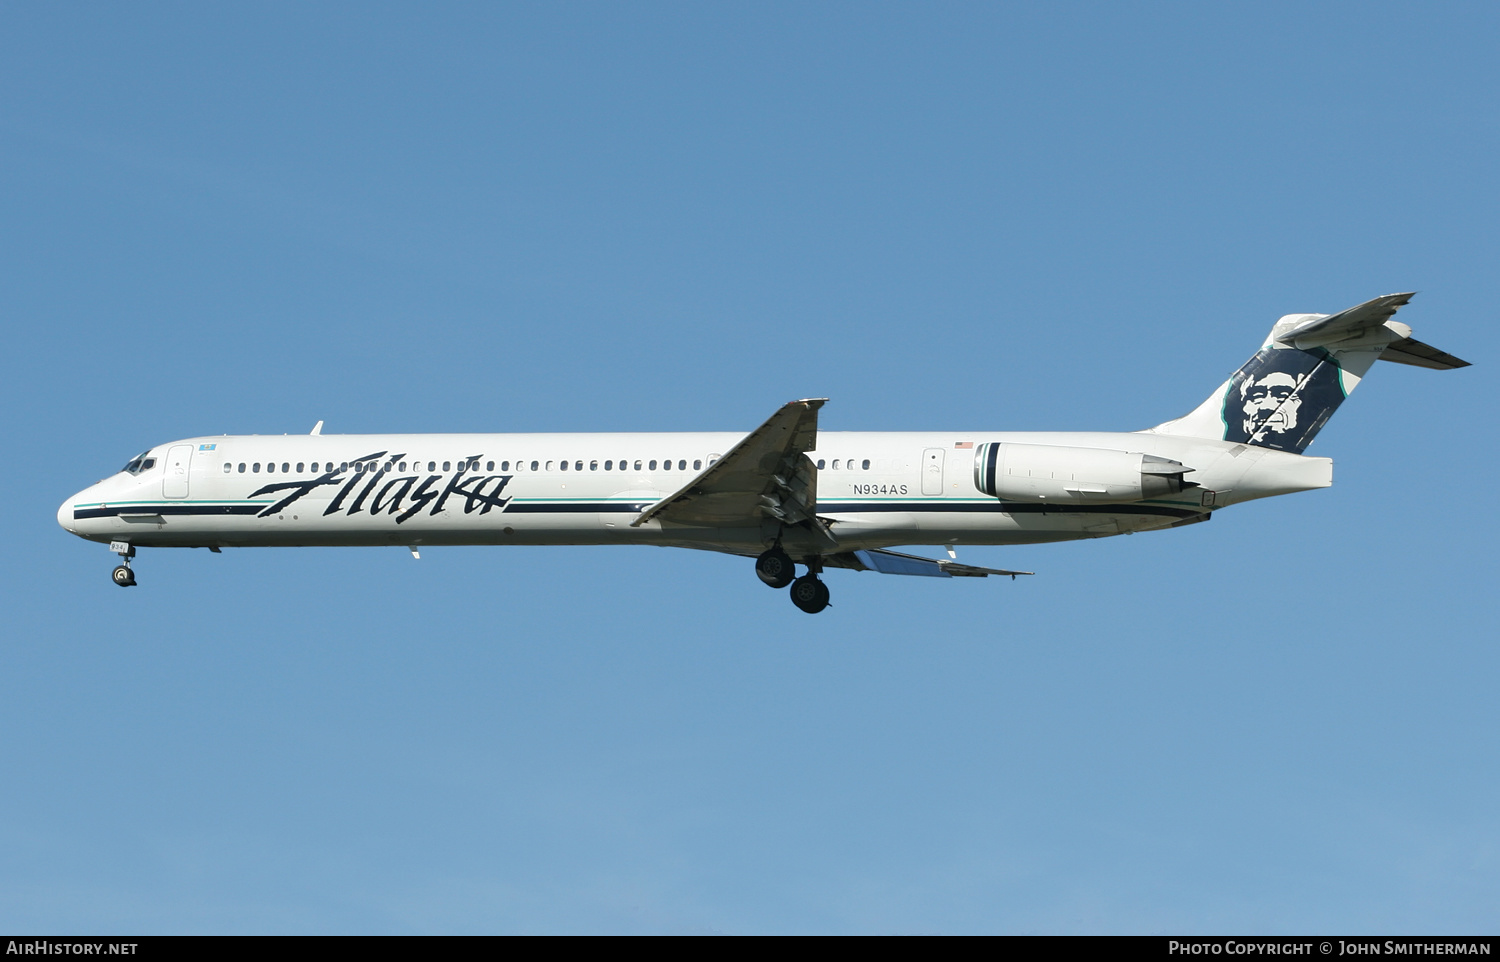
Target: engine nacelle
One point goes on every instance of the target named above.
(1068, 475)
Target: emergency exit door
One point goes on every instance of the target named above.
(933, 460)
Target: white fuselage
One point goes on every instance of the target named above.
(876, 489)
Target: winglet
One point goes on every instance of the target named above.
(317, 429)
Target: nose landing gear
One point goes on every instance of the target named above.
(122, 575)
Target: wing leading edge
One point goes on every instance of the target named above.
(766, 477)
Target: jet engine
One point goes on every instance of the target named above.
(1069, 475)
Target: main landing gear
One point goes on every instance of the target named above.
(776, 568)
(810, 594)
(122, 575)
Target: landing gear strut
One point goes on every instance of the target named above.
(775, 568)
(122, 574)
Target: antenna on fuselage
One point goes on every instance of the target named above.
(317, 429)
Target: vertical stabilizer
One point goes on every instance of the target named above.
(1282, 397)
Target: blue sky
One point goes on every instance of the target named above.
(660, 217)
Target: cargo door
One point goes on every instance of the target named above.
(174, 483)
(933, 460)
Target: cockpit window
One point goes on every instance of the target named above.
(140, 463)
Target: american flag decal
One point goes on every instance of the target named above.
(963, 444)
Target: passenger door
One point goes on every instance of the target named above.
(174, 484)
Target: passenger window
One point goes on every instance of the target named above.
(300, 466)
(578, 465)
(666, 465)
(609, 465)
(505, 465)
(549, 465)
(682, 465)
(343, 465)
(227, 467)
(865, 464)
(565, 465)
(489, 466)
(286, 467)
(271, 468)
(315, 467)
(533, 465)
(820, 464)
(242, 467)
(835, 464)
(697, 465)
(638, 465)
(255, 468)
(652, 466)
(447, 465)
(593, 465)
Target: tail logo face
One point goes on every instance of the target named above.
(1270, 404)
(1281, 398)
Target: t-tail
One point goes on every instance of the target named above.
(1282, 397)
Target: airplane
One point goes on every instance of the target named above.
(786, 493)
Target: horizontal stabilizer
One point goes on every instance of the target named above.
(1406, 350)
(896, 563)
(1345, 324)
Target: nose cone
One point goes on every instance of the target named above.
(65, 515)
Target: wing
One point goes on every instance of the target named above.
(767, 476)
(896, 563)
